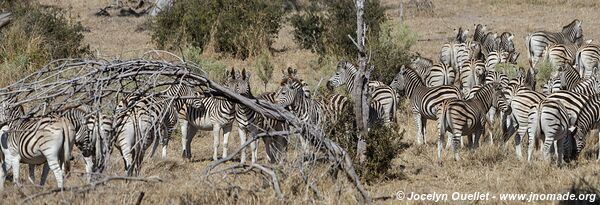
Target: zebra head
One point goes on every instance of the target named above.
(479, 33)
(399, 81)
(290, 91)
(499, 98)
(461, 35)
(230, 78)
(242, 85)
(506, 42)
(343, 74)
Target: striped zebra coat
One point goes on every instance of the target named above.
(461, 117)
(424, 100)
(587, 60)
(538, 41)
(141, 122)
(35, 141)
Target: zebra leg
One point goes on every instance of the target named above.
(31, 173)
(598, 146)
(421, 125)
(242, 134)
(455, 141)
(491, 114)
(226, 132)
(560, 149)
(186, 140)
(548, 143)
(89, 165)
(44, 176)
(440, 147)
(54, 164)
(216, 135)
(254, 147)
(14, 160)
(519, 139)
(3, 175)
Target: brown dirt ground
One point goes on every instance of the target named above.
(491, 168)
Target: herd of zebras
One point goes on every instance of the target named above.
(463, 92)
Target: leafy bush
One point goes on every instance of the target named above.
(240, 28)
(324, 26)
(545, 72)
(510, 70)
(391, 50)
(212, 68)
(35, 36)
(383, 143)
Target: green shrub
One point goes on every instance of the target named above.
(240, 28)
(391, 50)
(383, 144)
(545, 72)
(212, 68)
(35, 36)
(324, 26)
(265, 68)
(510, 70)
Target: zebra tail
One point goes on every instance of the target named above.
(67, 133)
(527, 47)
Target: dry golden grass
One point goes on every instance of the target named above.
(491, 168)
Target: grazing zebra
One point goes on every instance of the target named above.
(550, 118)
(143, 121)
(212, 113)
(440, 74)
(383, 97)
(538, 41)
(587, 60)
(461, 117)
(424, 100)
(471, 74)
(454, 54)
(35, 141)
(587, 119)
(291, 95)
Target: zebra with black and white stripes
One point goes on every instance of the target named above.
(587, 60)
(383, 96)
(551, 119)
(471, 73)
(537, 42)
(251, 123)
(521, 99)
(454, 54)
(441, 74)
(588, 118)
(210, 113)
(421, 65)
(34, 141)
(468, 117)
(424, 100)
(141, 122)
(559, 55)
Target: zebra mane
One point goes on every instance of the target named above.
(410, 73)
(346, 65)
(572, 25)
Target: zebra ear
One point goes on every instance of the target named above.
(589, 41)
(510, 38)
(245, 75)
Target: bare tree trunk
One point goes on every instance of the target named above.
(360, 91)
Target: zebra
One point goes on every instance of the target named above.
(141, 122)
(551, 86)
(383, 96)
(587, 60)
(588, 118)
(291, 96)
(468, 117)
(35, 141)
(471, 74)
(454, 54)
(505, 42)
(494, 58)
(521, 100)
(480, 32)
(421, 65)
(489, 43)
(550, 118)
(424, 100)
(210, 113)
(440, 74)
(536, 42)
(559, 55)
